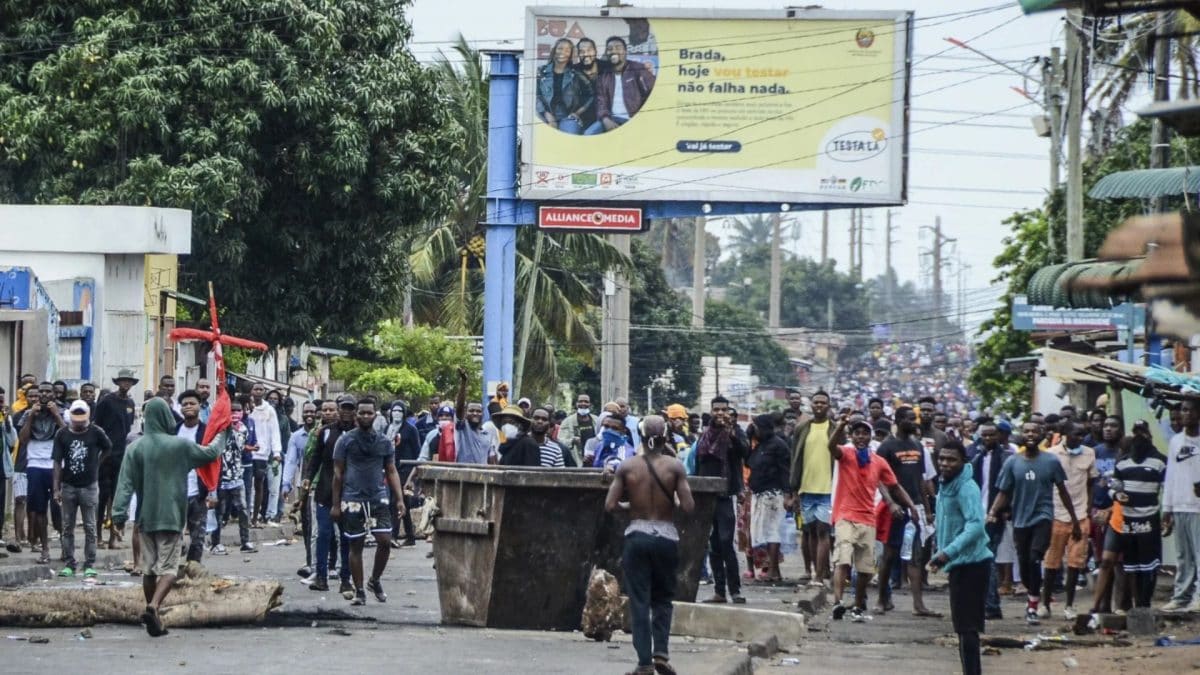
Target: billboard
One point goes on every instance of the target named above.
(590, 219)
(789, 106)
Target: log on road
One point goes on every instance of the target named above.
(197, 599)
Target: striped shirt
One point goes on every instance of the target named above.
(552, 453)
(1141, 482)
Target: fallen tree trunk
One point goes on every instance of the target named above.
(197, 599)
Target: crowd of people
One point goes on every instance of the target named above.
(906, 371)
(895, 491)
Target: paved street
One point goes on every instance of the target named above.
(311, 628)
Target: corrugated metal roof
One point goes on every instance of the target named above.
(1148, 183)
(1081, 285)
(1105, 7)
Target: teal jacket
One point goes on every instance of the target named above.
(960, 521)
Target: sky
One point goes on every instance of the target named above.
(970, 170)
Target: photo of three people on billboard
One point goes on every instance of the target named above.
(583, 92)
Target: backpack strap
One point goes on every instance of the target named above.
(654, 474)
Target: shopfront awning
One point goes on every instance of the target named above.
(1148, 183)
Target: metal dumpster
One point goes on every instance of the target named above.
(514, 546)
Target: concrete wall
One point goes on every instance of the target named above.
(124, 330)
(96, 229)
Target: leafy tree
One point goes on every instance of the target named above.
(426, 352)
(806, 287)
(1025, 252)
(737, 332)
(676, 238)
(668, 361)
(395, 383)
(302, 134)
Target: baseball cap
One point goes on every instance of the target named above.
(676, 411)
(445, 410)
(860, 424)
(79, 408)
(347, 400)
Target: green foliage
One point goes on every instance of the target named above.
(236, 358)
(1025, 252)
(741, 335)
(394, 383)
(653, 353)
(348, 369)
(428, 353)
(302, 135)
(806, 286)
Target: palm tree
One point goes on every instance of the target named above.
(446, 260)
(1124, 53)
(750, 233)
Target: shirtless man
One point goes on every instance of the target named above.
(652, 483)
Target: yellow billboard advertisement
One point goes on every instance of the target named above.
(793, 106)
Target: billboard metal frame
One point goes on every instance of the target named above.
(736, 201)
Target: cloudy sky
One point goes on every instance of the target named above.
(968, 167)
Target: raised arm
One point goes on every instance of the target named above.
(460, 401)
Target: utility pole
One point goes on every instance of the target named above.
(698, 242)
(861, 237)
(776, 263)
(824, 236)
(935, 253)
(1160, 138)
(889, 276)
(1074, 242)
(853, 243)
(1052, 86)
(614, 359)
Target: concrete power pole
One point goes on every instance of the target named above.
(614, 358)
(1160, 138)
(824, 236)
(1074, 242)
(937, 266)
(853, 243)
(1052, 86)
(698, 257)
(889, 279)
(861, 238)
(776, 264)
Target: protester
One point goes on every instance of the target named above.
(913, 467)
(720, 452)
(1027, 481)
(577, 429)
(651, 554)
(1079, 465)
(1136, 485)
(1181, 506)
(192, 429)
(811, 482)
(518, 448)
(988, 460)
(962, 550)
(551, 452)
(78, 450)
(769, 463)
(155, 469)
(38, 426)
(229, 501)
(267, 456)
(318, 482)
(861, 473)
(362, 461)
(8, 440)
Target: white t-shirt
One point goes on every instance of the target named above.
(191, 434)
(1183, 471)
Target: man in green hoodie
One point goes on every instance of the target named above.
(155, 468)
(963, 551)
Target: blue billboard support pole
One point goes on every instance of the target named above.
(503, 218)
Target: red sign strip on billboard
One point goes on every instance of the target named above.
(589, 218)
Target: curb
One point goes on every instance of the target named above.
(20, 576)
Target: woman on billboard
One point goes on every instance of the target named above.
(563, 92)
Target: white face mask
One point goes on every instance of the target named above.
(583, 410)
(510, 430)
(397, 416)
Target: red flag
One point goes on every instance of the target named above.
(219, 419)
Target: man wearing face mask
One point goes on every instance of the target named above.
(721, 452)
(913, 467)
(407, 445)
(230, 496)
(578, 429)
(611, 447)
(1079, 464)
(519, 448)
(860, 475)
